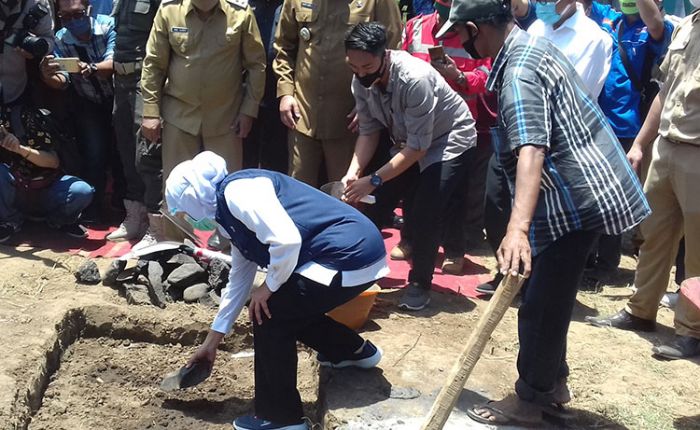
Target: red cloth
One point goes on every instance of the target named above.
(419, 35)
(690, 289)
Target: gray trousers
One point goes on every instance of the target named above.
(141, 159)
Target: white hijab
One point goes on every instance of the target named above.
(191, 186)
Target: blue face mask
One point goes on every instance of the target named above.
(204, 224)
(80, 26)
(547, 12)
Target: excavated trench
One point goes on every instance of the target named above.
(103, 367)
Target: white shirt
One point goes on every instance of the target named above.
(587, 46)
(254, 202)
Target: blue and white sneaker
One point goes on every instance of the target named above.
(368, 358)
(250, 422)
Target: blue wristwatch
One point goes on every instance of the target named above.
(375, 180)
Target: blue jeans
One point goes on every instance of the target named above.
(60, 203)
(94, 132)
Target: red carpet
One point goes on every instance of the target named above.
(37, 235)
(473, 274)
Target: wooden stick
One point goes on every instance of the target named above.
(471, 353)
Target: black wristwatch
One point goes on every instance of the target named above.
(375, 180)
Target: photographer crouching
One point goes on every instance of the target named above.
(32, 182)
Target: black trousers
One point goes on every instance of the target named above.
(497, 204)
(298, 311)
(435, 187)
(266, 145)
(545, 313)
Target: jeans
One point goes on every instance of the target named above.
(545, 313)
(434, 189)
(61, 202)
(94, 133)
(298, 312)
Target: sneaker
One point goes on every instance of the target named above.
(669, 300)
(154, 233)
(73, 230)
(453, 265)
(250, 422)
(134, 224)
(489, 288)
(7, 230)
(415, 297)
(368, 358)
(402, 251)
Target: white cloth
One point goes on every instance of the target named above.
(191, 186)
(254, 202)
(587, 46)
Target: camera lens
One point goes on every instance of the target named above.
(36, 46)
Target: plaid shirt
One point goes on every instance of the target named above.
(99, 48)
(587, 183)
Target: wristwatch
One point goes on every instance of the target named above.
(375, 180)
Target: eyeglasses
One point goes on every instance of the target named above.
(70, 16)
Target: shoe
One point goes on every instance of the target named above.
(218, 243)
(134, 224)
(489, 288)
(590, 284)
(368, 358)
(402, 251)
(250, 422)
(73, 230)
(415, 297)
(669, 300)
(453, 265)
(154, 233)
(624, 321)
(397, 222)
(682, 347)
(7, 230)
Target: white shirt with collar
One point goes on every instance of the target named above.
(587, 46)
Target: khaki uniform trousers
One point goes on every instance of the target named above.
(671, 187)
(306, 153)
(179, 146)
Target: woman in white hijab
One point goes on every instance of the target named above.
(319, 253)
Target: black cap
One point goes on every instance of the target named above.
(473, 10)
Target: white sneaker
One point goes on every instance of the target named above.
(154, 234)
(669, 300)
(134, 223)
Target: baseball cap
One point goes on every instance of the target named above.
(442, 7)
(473, 10)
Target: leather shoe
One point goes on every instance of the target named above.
(624, 321)
(682, 347)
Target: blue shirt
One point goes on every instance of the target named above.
(423, 7)
(526, 21)
(620, 100)
(101, 7)
(99, 48)
(587, 183)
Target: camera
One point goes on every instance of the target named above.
(20, 38)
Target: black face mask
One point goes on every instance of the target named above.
(368, 79)
(469, 47)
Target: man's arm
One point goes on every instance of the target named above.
(653, 18)
(155, 66)
(105, 68)
(515, 247)
(647, 134)
(286, 45)
(387, 12)
(254, 60)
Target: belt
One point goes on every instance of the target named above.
(127, 68)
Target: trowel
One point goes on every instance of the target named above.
(168, 245)
(186, 377)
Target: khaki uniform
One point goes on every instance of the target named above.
(310, 65)
(193, 77)
(672, 182)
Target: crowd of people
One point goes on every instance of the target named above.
(531, 124)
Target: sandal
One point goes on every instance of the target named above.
(501, 417)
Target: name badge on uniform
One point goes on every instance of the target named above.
(305, 34)
(179, 30)
(307, 5)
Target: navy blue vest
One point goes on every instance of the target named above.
(333, 234)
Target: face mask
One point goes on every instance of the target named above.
(629, 7)
(204, 224)
(470, 48)
(368, 79)
(547, 12)
(79, 26)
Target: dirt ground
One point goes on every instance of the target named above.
(108, 376)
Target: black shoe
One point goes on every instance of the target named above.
(73, 230)
(415, 297)
(590, 284)
(489, 288)
(624, 321)
(397, 222)
(7, 230)
(682, 347)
